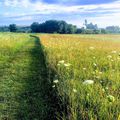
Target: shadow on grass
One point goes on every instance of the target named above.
(37, 99)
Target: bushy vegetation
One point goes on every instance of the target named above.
(53, 26)
(61, 27)
(87, 78)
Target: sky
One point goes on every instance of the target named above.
(24, 12)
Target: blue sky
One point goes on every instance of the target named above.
(24, 12)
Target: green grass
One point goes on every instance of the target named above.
(24, 84)
(77, 58)
(42, 78)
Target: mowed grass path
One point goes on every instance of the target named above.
(23, 84)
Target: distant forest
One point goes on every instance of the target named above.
(61, 27)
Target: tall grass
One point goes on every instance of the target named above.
(87, 78)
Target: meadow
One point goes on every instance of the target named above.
(87, 75)
(59, 77)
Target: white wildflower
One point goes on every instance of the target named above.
(101, 81)
(67, 65)
(58, 64)
(109, 56)
(112, 60)
(111, 98)
(114, 52)
(55, 81)
(106, 88)
(100, 73)
(61, 62)
(91, 48)
(84, 68)
(103, 90)
(88, 82)
(88, 94)
(53, 86)
(95, 64)
(98, 77)
(74, 90)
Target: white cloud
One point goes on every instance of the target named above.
(103, 14)
(23, 18)
(43, 6)
(17, 3)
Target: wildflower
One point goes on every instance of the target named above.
(88, 94)
(111, 98)
(114, 52)
(112, 60)
(103, 90)
(106, 88)
(91, 48)
(74, 90)
(100, 73)
(61, 62)
(95, 64)
(101, 81)
(55, 81)
(97, 77)
(67, 65)
(53, 86)
(84, 68)
(109, 56)
(88, 82)
(58, 64)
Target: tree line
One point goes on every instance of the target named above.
(54, 26)
(61, 27)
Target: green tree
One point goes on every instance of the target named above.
(12, 27)
(35, 27)
(113, 29)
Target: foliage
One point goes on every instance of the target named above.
(113, 29)
(35, 27)
(53, 26)
(62, 27)
(4, 29)
(13, 27)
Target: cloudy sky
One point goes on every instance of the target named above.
(24, 12)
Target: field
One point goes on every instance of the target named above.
(63, 77)
(23, 90)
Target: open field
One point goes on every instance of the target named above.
(78, 61)
(68, 77)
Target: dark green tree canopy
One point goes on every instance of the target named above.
(12, 27)
(35, 27)
(61, 27)
(54, 26)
